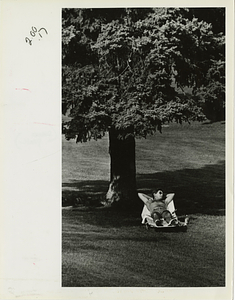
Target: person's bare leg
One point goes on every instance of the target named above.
(156, 218)
(167, 216)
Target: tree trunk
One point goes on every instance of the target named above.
(122, 189)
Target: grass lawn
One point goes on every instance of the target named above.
(186, 159)
(105, 248)
(101, 249)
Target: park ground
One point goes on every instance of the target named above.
(104, 248)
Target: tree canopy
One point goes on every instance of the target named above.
(127, 69)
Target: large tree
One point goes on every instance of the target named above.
(124, 72)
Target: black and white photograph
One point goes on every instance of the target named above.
(143, 147)
(117, 150)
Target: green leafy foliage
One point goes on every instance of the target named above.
(212, 95)
(127, 68)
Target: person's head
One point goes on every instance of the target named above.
(158, 194)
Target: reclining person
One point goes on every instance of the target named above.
(157, 205)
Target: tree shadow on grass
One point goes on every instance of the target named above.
(196, 190)
(87, 192)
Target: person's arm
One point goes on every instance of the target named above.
(144, 197)
(169, 198)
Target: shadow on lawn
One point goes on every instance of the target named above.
(197, 190)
